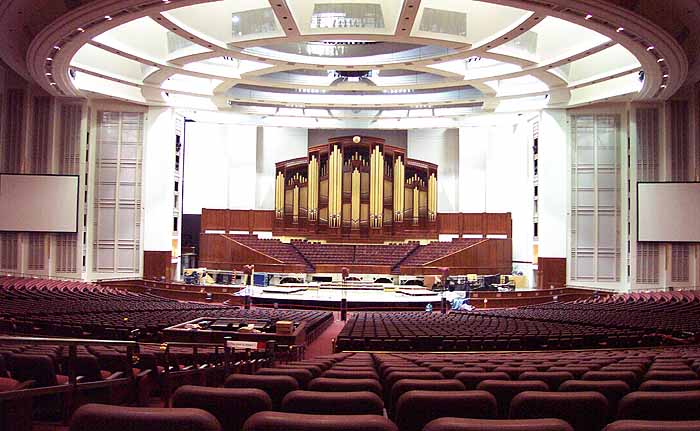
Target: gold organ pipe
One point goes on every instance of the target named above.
(295, 205)
(355, 218)
(415, 205)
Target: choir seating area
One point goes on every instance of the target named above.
(77, 309)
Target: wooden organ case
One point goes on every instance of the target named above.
(356, 187)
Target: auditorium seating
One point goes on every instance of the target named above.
(76, 309)
(615, 321)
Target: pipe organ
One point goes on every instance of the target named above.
(355, 187)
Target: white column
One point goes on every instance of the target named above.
(553, 186)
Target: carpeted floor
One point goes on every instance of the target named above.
(323, 345)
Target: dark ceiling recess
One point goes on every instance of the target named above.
(72, 4)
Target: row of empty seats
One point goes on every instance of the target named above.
(484, 330)
(37, 306)
(641, 389)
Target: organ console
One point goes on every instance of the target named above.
(356, 187)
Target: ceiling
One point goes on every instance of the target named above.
(362, 60)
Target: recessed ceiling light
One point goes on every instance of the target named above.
(48, 73)
(80, 29)
(650, 48)
(663, 85)
(52, 83)
(57, 48)
(108, 18)
(660, 60)
(620, 29)
(589, 16)
(49, 59)
(665, 75)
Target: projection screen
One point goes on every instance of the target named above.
(668, 212)
(39, 203)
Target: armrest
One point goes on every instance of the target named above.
(144, 373)
(24, 385)
(117, 375)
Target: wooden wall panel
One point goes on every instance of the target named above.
(215, 219)
(449, 223)
(156, 265)
(551, 271)
(238, 220)
(475, 224)
(262, 220)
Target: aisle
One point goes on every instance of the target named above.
(322, 345)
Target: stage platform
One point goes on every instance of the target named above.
(358, 298)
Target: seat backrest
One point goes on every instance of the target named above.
(670, 385)
(414, 409)
(275, 386)
(405, 385)
(638, 425)
(231, 406)
(92, 417)
(324, 384)
(88, 367)
(302, 376)
(278, 421)
(461, 424)
(472, 379)
(628, 377)
(505, 390)
(552, 378)
(39, 368)
(670, 375)
(584, 411)
(680, 405)
(612, 390)
(333, 403)
(347, 374)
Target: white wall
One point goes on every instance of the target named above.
(553, 183)
(275, 144)
(220, 170)
(158, 168)
(494, 176)
(439, 146)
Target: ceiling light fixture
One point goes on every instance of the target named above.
(588, 16)
(108, 18)
(80, 29)
(650, 48)
(620, 29)
(660, 60)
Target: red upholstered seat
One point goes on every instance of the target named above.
(670, 385)
(414, 409)
(504, 391)
(93, 417)
(231, 406)
(325, 384)
(275, 386)
(460, 424)
(681, 405)
(638, 425)
(332, 403)
(277, 421)
(584, 411)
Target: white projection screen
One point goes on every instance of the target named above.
(668, 212)
(39, 203)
